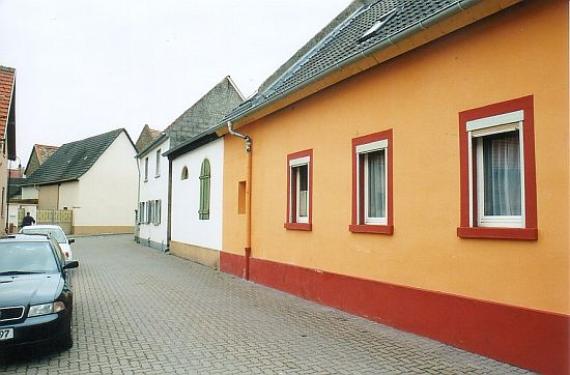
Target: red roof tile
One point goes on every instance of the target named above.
(43, 152)
(7, 82)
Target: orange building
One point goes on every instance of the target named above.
(410, 164)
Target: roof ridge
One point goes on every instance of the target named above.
(309, 46)
(323, 42)
(118, 130)
(225, 79)
(72, 160)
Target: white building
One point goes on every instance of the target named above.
(153, 195)
(95, 178)
(7, 135)
(197, 197)
(191, 226)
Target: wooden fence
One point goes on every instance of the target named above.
(63, 218)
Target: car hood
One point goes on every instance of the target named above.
(23, 290)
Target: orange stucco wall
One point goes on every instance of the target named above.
(520, 51)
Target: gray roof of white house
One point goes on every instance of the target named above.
(201, 118)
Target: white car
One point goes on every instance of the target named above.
(54, 231)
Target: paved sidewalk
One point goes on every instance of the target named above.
(138, 311)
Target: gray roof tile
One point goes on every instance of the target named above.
(341, 40)
(205, 113)
(73, 159)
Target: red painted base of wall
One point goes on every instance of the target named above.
(531, 339)
(232, 263)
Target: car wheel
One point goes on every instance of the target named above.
(66, 341)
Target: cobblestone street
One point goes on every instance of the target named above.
(138, 311)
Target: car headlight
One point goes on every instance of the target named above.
(46, 308)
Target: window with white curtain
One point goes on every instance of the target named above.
(496, 168)
(299, 190)
(372, 180)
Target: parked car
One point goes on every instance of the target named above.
(56, 232)
(36, 301)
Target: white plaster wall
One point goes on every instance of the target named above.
(186, 227)
(68, 195)
(30, 192)
(107, 193)
(155, 188)
(13, 209)
(13, 214)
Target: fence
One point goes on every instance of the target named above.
(63, 218)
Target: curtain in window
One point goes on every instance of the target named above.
(376, 184)
(502, 174)
(204, 212)
(303, 177)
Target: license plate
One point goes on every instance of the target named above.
(6, 333)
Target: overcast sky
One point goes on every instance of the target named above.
(85, 67)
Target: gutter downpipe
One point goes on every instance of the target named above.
(456, 8)
(137, 215)
(248, 144)
(169, 212)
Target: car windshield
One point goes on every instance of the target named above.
(26, 257)
(53, 232)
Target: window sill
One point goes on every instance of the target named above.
(376, 229)
(524, 234)
(298, 226)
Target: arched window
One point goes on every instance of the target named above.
(204, 212)
(184, 174)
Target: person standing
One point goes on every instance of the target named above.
(28, 220)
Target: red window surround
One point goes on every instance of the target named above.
(356, 226)
(530, 232)
(291, 206)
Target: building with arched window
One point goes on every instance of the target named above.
(181, 180)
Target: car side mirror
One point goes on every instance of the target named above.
(71, 264)
(71, 240)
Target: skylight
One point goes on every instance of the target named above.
(378, 25)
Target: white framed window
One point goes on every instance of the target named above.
(372, 177)
(146, 169)
(496, 171)
(148, 217)
(157, 167)
(156, 212)
(299, 191)
(372, 185)
(142, 213)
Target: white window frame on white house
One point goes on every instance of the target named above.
(157, 208)
(142, 213)
(293, 168)
(146, 169)
(157, 167)
(476, 130)
(362, 151)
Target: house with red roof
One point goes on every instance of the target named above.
(39, 155)
(7, 133)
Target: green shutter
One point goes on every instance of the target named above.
(204, 212)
